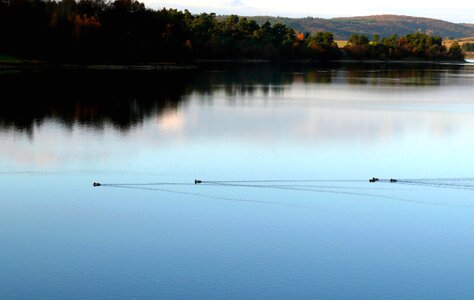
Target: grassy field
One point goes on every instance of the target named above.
(341, 43)
(448, 43)
(469, 55)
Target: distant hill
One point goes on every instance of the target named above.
(383, 25)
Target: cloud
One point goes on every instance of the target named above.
(236, 3)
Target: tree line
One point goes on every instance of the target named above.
(125, 31)
(468, 47)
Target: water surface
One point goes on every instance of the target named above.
(337, 236)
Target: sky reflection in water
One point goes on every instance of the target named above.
(318, 239)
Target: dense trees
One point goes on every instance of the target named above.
(322, 46)
(125, 31)
(416, 46)
(468, 47)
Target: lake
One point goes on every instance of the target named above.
(285, 208)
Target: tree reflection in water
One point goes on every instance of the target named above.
(124, 99)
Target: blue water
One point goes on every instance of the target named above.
(62, 238)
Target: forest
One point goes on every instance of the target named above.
(126, 32)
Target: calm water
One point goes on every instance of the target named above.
(62, 238)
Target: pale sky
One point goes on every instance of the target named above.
(458, 11)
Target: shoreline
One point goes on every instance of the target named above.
(40, 65)
(335, 61)
(37, 65)
(408, 62)
(136, 67)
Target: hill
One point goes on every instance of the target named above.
(383, 25)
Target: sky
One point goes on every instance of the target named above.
(458, 11)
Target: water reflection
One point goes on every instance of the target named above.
(94, 99)
(203, 241)
(124, 100)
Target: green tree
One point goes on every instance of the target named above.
(358, 40)
(455, 51)
(322, 46)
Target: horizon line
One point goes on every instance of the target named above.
(225, 12)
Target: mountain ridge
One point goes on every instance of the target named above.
(382, 25)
